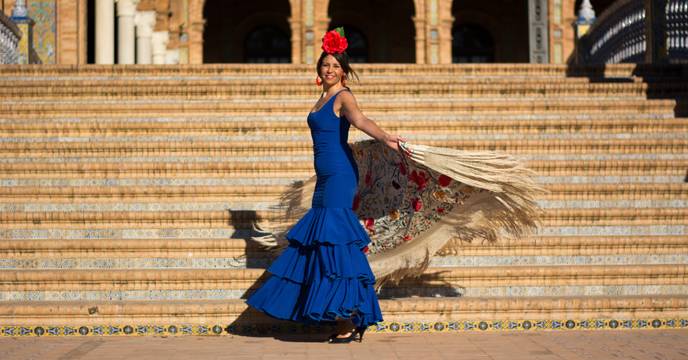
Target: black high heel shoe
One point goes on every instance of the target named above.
(358, 331)
(334, 339)
(361, 330)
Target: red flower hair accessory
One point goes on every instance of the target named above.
(334, 41)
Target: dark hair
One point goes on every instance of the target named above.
(343, 59)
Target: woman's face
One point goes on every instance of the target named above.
(330, 71)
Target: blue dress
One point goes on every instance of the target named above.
(323, 274)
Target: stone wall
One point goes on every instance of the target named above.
(421, 34)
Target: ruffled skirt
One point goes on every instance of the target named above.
(323, 274)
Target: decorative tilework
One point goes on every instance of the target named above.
(45, 30)
(382, 327)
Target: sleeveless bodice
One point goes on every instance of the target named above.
(334, 163)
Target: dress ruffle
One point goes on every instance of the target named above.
(329, 225)
(323, 274)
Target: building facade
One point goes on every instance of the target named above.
(290, 31)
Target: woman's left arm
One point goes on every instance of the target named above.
(352, 113)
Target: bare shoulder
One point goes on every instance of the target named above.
(345, 101)
(347, 98)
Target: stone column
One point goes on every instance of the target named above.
(195, 31)
(145, 20)
(538, 31)
(296, 30)
(105, 32)
(172, 56)
(160, 39)
(126, 41)
(316, 23)
(444, 32)
(419, 22)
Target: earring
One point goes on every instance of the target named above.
(318, 81)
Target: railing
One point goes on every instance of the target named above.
(9, 41)
(677, 28)
(637, 31)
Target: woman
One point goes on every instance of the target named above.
(323, 276)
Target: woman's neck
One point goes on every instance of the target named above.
(332, 89)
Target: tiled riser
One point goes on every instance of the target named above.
(511, 291)
(246, 205)
(224, 233)
(240, 262)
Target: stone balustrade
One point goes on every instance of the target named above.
(9, 41)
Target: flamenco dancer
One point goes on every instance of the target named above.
(323, 275)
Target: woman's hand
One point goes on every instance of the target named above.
(393, 141)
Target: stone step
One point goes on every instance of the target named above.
(104, 194)
(303, 139)
(104, 203)
(262, 180)
(303, 83)
(289, 120)
(25, 249)
(241, 254)
(19, 109)
(552, 149)
(189, 128)
(242, 262)
(215, 317)
(23, 90)
(92, 258)
(542, 156)
(277, 71)
(169, 284)
(244, 219)
(229, 232)
(304, 169)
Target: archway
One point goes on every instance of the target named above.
(267, 44)
(472, 43)
(239, 31)
(380, 31)
(504, 21)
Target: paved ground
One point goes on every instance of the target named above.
(545, 345)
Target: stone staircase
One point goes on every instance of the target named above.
(127, 194)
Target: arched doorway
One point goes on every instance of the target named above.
(503, 23)
(238, 31)
(380, 31)
(267, 44)
(472, 43)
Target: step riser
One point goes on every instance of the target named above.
(255, 203)
(356, 136)
(295, 159)
(228, 232)
(277, 181)
(17, 109)
(478, 292)
(494, 314)
(238, 261)
(282, 120)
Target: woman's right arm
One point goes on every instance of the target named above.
(352, 113)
